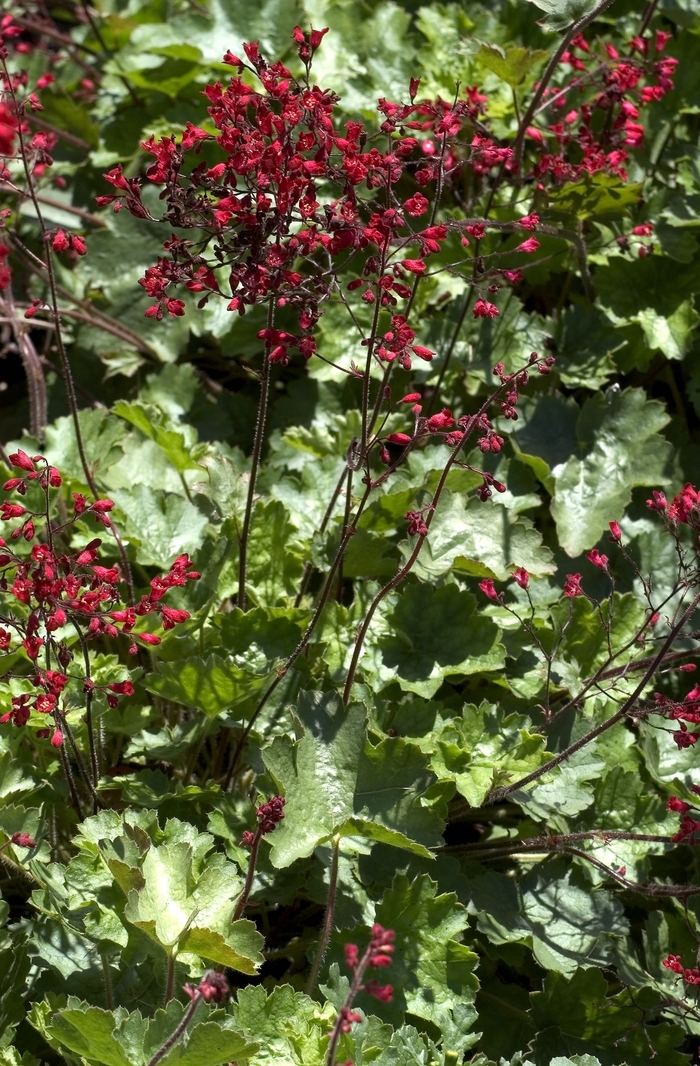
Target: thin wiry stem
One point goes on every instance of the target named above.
(60, 347)
(254, 464)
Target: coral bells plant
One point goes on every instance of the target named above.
(349, 596)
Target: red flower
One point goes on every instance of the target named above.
(417, 205)
(122, 688)
(171, 617)
(521, 577)
(489, 589)
(572, 585)
(149, 638)
(443, 420)
(21, 459)
(23, 840)
(60, 242)
(601, 561)
(399, 438)
(530, 221)
(483, 309)
(415, 266)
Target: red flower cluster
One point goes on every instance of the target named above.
(269, 816)
(269, 233)
(688, 710)
(683, 509)
(378, 954)
(603, 82)
(674, 964)
(57, 587)
(213, 988)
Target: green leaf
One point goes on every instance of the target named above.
(435, 633)
(563, 13)
(554, 911)
(432, 972)
(392, 780)
(160, 525)
(588, 1019)
(595, 195)
(156, 425)
(274, 568)
(184, 912)
(90, 1032)
(291, 1028)
(618, 448)
(512, 65)
(317, 773)
(673, 335)
(118, 1038)
(484, 749)
(482, 540)
(212, 684)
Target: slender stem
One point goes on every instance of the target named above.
(178, 1031)
(31, 361)
(60, 347)
(169, 982)
(250, 877)
(327, 922)
(362, 633)
(109, 994)
(346, 522)
(368, 368)
(82, 769)
(435, 393)
(349, 1000)
(501, 793)
(406, 568)
(94, 762)
(254, 464)
(308, 567)
(94, 220)
(648, 15)
(537, 843)
(318, 611)
(71, 783)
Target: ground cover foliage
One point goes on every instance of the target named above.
(349, 605)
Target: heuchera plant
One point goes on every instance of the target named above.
(244, 758)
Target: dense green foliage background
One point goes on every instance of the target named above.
(539, 957)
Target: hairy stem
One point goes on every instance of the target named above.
(109, 994)
(178, 1031)
(249, 878)
(327, 921)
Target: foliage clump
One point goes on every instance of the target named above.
(366, 729)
